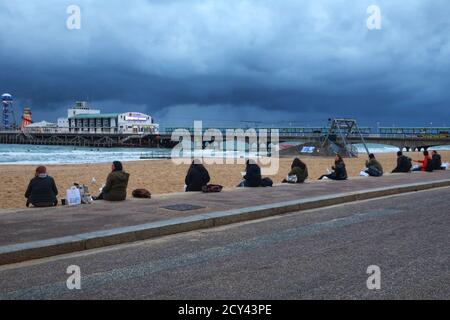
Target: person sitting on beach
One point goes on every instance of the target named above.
(116, 185)
(339, 170)
(436, 161)
(374, 168)
(252, 177)
(298, 173)
(197, 177)
(403, 164)
(426, 163)
(41, 191)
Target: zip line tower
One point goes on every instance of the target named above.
(8, 118)
(336, 140)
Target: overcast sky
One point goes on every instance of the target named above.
(224, 61)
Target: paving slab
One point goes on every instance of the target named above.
(29, 225)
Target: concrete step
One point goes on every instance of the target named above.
(40, 245)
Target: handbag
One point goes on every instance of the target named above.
(292, 178)
(266, 182)
(212, 188)
(142, 194)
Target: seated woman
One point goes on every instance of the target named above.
(298, 170)
(339, 170)
(116, 185)
(41, 191)
(252, 177)
(374, 168)
(426, 163)
(197, 177)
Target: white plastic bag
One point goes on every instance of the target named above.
(446, 166)
(363, 174)
(73, 196)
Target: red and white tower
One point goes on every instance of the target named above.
(26, 118)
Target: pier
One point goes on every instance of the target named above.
(98, 140)
(404, 138)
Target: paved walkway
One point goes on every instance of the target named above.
(20, 226)
(320, 255)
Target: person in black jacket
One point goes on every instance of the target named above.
(252, 176)
(42, 191)
(339, 170)
(299, 170)
(197, 177)
(436, 161)
(404, 164)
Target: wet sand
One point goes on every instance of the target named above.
(163, 176)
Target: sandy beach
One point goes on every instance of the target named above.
(162, 176)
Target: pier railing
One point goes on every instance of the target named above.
(400, 137)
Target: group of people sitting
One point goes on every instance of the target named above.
(42, 190)
(198, 177)
(404, 164)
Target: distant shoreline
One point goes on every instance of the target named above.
(22, 155)
(55, 163)
(285, 157)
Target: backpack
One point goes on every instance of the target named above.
(142, 193)
(212, 188)
(266, 182)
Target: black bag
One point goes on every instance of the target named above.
(266, 182)
(211, 188)
(408, 163)
(374, 172)
(142, 194)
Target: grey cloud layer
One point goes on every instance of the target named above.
(185, 58)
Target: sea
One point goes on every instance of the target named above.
(36, 154)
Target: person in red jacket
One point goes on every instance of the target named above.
(426, 160)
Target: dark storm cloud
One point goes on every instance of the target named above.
(290, 60)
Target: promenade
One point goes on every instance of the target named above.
(35, 233)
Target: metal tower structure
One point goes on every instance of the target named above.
(337, 137)
(8, 118)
